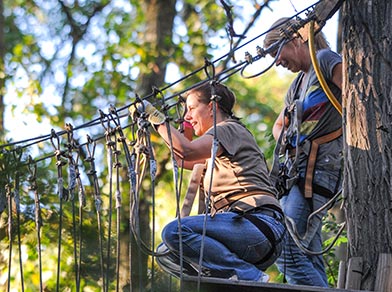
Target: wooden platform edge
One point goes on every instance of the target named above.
(209, 284)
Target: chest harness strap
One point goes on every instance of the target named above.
(312, 159)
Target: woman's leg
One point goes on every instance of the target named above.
(300, 268)
(230, 244)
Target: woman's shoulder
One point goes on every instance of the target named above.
(234, 124)
(232, 128)
(327, 54)
(229, 125)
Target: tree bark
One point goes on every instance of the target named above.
(367, 92)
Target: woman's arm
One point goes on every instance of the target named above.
(337, 75)
(278, 125)
(194, 151)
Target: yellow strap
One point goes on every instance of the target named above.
(320, 76)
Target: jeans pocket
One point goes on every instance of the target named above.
(256, 252)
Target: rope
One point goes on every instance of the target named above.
(74, 180)
(38, 219)
(98, 201)
(17, 203)
(317, 69)
(9, 199)
(261, 53)
(176, 182)
(298, 239)
(117, 165)
(62, 195)
(131, 162)
(110, 144)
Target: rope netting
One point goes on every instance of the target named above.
(89, 194)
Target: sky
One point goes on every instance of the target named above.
(22, 125)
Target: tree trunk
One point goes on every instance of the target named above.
(157, 42)
(367, 92)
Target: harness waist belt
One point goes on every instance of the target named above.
(269, 210)
(226, 201)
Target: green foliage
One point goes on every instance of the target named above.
(333, 256)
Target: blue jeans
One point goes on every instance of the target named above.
(232, 246)
(300, 268)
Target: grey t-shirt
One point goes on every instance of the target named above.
(241, 167)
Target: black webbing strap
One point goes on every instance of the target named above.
(266, 230)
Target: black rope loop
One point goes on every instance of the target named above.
(158, 95)
(133, 125)
(71, 145)
(181, 112)
(140, 116)
(164, 106)
(109, 130)
(60, 162)
(53, 135)
(18, 160)
(138, 99)
(103, 118)
(32, 168)
(209, 64)
(140, 112)
(261, 53)
(57, 152)
(73, 173)
(115, 116)
(90, 141)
